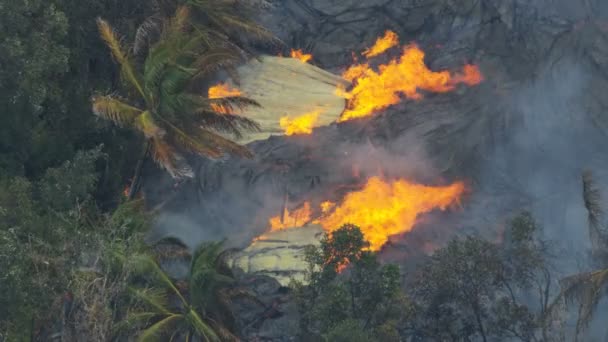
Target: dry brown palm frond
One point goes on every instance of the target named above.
(169, 159)
(146, 34)
(226, 145)
(592, 199)
(586, 289)
(113, 42)
(114, 109)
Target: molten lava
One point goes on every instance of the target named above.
(381, 209)
(389, 40)
(299, 54)
(223, 90)
(302, 124)
(401, 77)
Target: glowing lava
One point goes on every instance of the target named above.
(381, 209)
(299, 54)
(302, 124)
(401, 77)
(389, 40)
(223, 90)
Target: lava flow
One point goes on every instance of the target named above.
(299, 54)
(381, 209)
(404, 76)
(220, 91)
(302, 124)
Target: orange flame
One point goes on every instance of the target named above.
(302, 124)
(381, 209)
(297, 218)
(404, 76)
(222, 90)
(299, 54)
(389, 40)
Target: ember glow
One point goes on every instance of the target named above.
(299, 54)
(404, 76)
(381, 209)
(389, 40)
(302, 124)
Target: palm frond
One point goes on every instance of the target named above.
(194, 144)
(592, 199)
(134, 319)
(587, 289)
(157, 330)
(113, 43)
(115, 110)
(169, 159)
(215, 60)
(224, 334)
(147, 125)
(202, 328)
(153, 298)
(147, 34)
(205, 137)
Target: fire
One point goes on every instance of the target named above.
(401, 77)
(381, 209)
(223, 90)
(389, 40)
(299, 54)
(297, 218)
(302, 124)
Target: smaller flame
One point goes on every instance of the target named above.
(223, 90)
(299, 54)
(389, 40)
(302, 124)
(327, 206)
(293, 219)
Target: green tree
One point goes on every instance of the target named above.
(197, 307)
(166, 109)
(347, 286)
(473, 288)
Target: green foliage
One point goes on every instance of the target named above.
(349, 291)
(471, 289)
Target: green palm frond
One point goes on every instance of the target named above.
(115, 110)
(217, 59)
(113, 43)
(133, 320)
(146, 123)
(152, 297)
(587, 289)
(159, 329)
(203, 329)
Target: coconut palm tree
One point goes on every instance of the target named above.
(588, 288)
(197, 306)
(164, 101)
(223, 23)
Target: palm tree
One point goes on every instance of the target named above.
(196, 307)
(165, 104)
(223, 23)
(588, 288)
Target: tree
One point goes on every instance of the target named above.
(473, 288)
(348, 289)
(588, 288)
(166, 107)
(197, 307)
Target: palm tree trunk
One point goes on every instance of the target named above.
(135, 183)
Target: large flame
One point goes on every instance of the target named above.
(389, 40)
(381, 209)
(404, 76)
(299, 54)
(302, 124)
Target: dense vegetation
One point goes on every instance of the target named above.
(73, 262)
